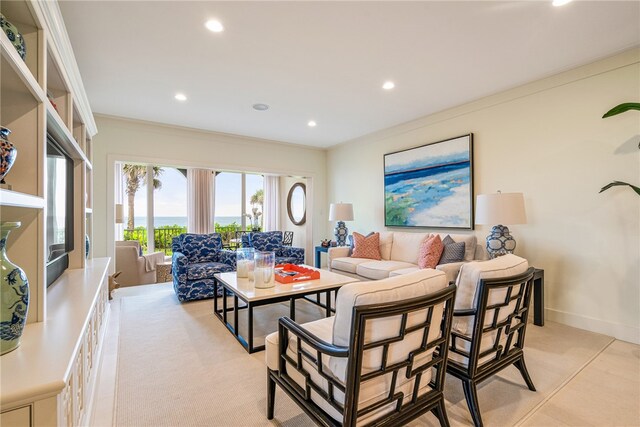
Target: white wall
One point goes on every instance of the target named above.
(547, 140)
(129, 140)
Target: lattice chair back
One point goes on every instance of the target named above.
(287, 239)
(396, 333)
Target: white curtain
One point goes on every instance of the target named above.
(271, 203)
(200, 201)
(118, 198)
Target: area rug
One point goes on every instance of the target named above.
(179, 366)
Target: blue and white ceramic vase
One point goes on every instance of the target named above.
(14, 295)
(8, 153)
(14, 36)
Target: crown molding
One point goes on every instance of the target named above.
(60, 47)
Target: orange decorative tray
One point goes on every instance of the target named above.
(289, 273)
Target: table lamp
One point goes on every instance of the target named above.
(341, 212)
(502, 209)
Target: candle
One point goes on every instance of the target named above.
(263, 277)
(242, 268)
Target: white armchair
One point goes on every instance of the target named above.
(380, 360)
(489, 323)
(136, 269)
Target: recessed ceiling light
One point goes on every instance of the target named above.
(260, 107)
(214, 25)
(560, 2)
(388, 85)
(180, 97)
(312, 124)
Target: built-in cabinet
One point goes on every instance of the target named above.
(49, 378)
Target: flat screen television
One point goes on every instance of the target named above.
(59, 209)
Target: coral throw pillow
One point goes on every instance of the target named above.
(430, 252)
(366, 247)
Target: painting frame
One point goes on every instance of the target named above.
(443, 172)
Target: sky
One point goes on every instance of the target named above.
(171, 199)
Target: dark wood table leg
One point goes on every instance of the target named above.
(538, 297)
(292, 308)
(235, 313)
(328, 303)
(250, 328)
(224, 307)
(215, 298)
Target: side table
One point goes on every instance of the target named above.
(538, 297)
(319, 250)
(163, 272)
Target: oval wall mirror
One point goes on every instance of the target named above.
(296, 203)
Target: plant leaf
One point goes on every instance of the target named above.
(620, 183)
(622, 108)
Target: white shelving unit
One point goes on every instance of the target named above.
(65, 319)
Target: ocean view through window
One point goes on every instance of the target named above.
(238, 205)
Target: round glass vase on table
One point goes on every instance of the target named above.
(245, 263)
(14, 295)
(264, 270)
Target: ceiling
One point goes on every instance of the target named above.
(326, 61)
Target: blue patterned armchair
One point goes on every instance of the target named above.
(272, 241)
(196, 258)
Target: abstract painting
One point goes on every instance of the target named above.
(431, 185)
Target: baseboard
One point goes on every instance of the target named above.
(617, 330)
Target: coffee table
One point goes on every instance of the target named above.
(243, 290)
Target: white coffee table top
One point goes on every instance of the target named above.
(244, 287)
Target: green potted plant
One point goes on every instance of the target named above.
(618, 109)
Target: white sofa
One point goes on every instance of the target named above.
(399, 252)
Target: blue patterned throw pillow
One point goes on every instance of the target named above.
(453, 252)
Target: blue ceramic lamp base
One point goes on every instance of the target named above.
(500, 242)
(341, 232)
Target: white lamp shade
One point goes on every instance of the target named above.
(341, 212)
(500, 208)
(119, 213)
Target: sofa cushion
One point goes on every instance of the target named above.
(386, 242)
(470, 242)
(366, 247)
(406, 246)
(430, 252)
(377, 270)
(471, 273)
(206, 270)
(347, 264)
(452, 252)
(402, 271)
(266, 241)
(397, 288)
(201, 247)
(321, 328)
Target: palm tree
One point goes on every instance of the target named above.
(136, 177)
(257, 198)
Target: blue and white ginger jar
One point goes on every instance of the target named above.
(8, 153)
(14, 36)
(14, 295)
